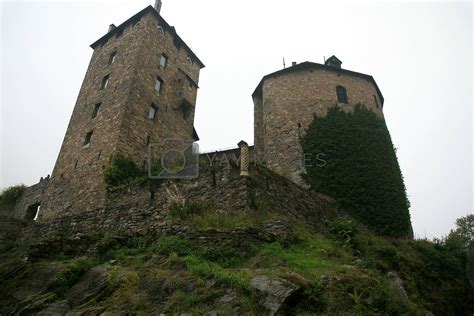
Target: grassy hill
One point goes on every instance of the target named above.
(230, 264)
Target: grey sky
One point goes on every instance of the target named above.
(420, 54)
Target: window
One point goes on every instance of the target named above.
(105, 82)
(88, 138)
(112, 57)
(190, 61)
(163, 60)
(341, 94)
(148, 139)
(119, 33)
(158, 84)
(161, 29)
(96, 110)
(152, 112)
(376, 102)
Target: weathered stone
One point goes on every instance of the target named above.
(92, 284)
(396, 283)
(275, 291)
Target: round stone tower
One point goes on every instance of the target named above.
(286, 101)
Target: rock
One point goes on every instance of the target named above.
(396, 283)
(57, 309)
(275, 290)
(91, 285)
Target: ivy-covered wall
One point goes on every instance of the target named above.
(350, 157)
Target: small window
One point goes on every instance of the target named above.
(341, 94)
(161, 29)
(163, 60)
(88, 138)
(112, 57)
(96, 110)
(119, 33)
(152, 113)
(376, 102)
(105, 82)
(148, 139)
(190, 61)
(158, 84)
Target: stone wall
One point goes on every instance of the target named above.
(284, 106)
(122, 123)
(32, 197)
(136, 209)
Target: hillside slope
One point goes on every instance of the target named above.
(233, 264)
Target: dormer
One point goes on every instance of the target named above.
(333, 61)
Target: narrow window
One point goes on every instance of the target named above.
(119, 33)
(341, 94)
(148, 139)
(161, 29)
(163, 60)
(158, 84)
(152, 113)
(96, 110)
(75, 165)
(112, 57)
(88, 138)
(376, 102)
(105, 82)
(190, 61)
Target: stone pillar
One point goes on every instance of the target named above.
(244, 158)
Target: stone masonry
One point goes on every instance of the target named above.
(286, 101)
(112, 112)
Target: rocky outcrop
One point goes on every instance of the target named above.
(274, 291)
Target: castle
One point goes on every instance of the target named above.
(141, 87)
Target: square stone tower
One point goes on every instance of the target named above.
(140, 88)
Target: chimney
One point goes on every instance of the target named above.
(293, 63)
(111, 27)
(158, 6)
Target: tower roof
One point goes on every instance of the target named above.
(311, 65)
(137, 17)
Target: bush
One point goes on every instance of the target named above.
(120, 171)
(172, 244)
(361, 169)
(10, 195)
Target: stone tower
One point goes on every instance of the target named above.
(285, 102)
(140, 88)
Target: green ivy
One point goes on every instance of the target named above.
(352, 159)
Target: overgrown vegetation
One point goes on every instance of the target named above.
(122, 172)
(342, 269)
(353, 160)
(10, 195)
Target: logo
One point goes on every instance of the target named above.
(173, 159)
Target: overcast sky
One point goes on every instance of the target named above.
(420, 54)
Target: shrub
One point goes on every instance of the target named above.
(121, 170)
(10, 195)
(168, 245)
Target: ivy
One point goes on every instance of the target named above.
(360, 168)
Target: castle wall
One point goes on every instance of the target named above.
(32, 196)
(286, 109)
(134, 209)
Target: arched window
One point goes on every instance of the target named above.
(341, 94)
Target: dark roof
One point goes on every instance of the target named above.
(334, 57)
(135, 19)
(195, 135)
(310, 65)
